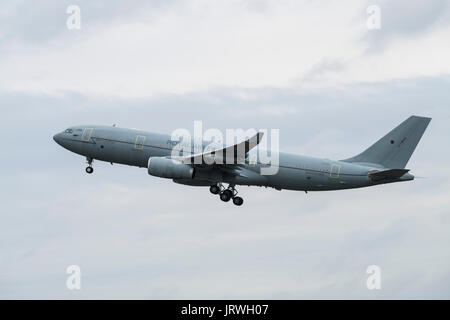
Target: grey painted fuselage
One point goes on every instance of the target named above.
(134, 147)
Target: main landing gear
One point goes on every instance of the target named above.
(89, 168)
(226, 194)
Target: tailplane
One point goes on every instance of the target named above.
(395, 148)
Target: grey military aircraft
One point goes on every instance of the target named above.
(383, 162)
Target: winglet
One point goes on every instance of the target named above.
(252, 142)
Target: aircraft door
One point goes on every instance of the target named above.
(335, 171)
(87, 133)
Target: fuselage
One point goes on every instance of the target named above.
(294, 172)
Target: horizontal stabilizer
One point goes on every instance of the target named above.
(387, 174)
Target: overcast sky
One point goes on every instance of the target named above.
(309, 68)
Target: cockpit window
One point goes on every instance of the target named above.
(68, 131)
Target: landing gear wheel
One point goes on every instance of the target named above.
(228, 192)
(238, 201)
(89, 169)
(214, 189)
(224, 196)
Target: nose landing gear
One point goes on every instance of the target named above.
(89, 168)
(226, 194)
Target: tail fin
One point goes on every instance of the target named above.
(395, 148)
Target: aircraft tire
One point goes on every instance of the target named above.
(214, 189)
(225, 197)
(228, 192)
(238, 201)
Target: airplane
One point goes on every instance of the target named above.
(383, 162)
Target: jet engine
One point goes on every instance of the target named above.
(169, 168)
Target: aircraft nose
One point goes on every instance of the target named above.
(57, 138)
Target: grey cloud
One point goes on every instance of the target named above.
(135, 236)
(364, 105)
(409, 17)
(38, 22)
(404, 18)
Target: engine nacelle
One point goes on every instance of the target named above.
(169, 168)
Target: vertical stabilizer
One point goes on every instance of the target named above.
(395, 148)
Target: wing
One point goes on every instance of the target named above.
(228, 155)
